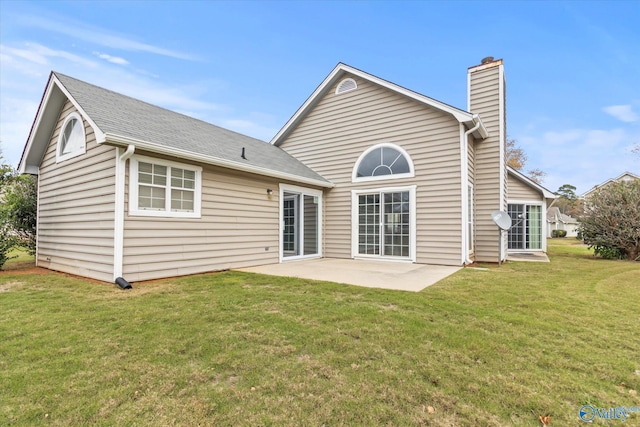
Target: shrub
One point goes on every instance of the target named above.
(559, 233)
(18, 212)
(611, 223)
(7, 242)
(607, 252)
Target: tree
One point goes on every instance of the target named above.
(536, 175)
(611, 223)
(568, 202)
(7, 238)
(19, 210)
(18, 207)
(517, 158)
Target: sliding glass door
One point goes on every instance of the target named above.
(526, 226)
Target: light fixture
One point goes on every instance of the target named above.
(269, 191)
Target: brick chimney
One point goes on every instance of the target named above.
(486, 85)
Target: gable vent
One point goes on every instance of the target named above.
(346, 85)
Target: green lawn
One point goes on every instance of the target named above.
(495, 346)
(19, 259)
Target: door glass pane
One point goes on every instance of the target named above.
(310, 224)
(516, 232)
(396, 224)
(290, 229)
(534, 223)
(369, 224)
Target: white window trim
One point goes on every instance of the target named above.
(412, 223)
(356, 178)
(342, 82)
(62, 157)
(285, 188)
(133, 189)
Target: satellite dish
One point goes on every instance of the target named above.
(502, 219)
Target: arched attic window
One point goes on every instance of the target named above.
(383, 161)
(346, 85)
(71, 140)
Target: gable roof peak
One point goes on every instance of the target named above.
(465, 117)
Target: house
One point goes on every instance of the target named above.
(625, 177)
(528, 202)
(556, 220)
(364, 169)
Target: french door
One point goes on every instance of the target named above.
(384, 224)
(300, 216)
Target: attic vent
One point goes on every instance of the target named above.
(346, 85)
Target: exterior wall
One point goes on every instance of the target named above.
(518, 190)
(487, 98)
(341, 127)
(238, 228)
(75, 212)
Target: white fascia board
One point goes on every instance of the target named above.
(340, 69)
(39, 121)
(22, 167)
(188, 155)
(100, 136)
(307, 104)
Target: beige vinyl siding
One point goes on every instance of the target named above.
(341, 127)
(518, 190)
(76, 208)
(238, 228)
(490, 175)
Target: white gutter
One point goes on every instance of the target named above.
(183, 154)
(464, 174)
(118, 220)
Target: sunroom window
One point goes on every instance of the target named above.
(162, 188)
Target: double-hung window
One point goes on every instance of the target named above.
(164, 188)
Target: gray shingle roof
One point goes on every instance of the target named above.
(124, 116)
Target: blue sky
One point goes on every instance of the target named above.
(572, 68)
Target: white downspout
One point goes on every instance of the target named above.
(465, 187)
(118, 226)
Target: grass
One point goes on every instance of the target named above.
(491, 347)
(19, 259)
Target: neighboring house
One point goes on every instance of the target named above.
(364, 169)
(527, 206)
(558, 221)
(625, 177)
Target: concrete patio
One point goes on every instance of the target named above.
(528, 257)
(372, 274)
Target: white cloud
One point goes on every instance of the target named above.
(40, 55)
(112, 59)
(623, 113)
(26, 66)
(581, 157)
(96, 35)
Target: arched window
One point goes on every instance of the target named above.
(346, 85)
(383, 161)
(71, 141)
